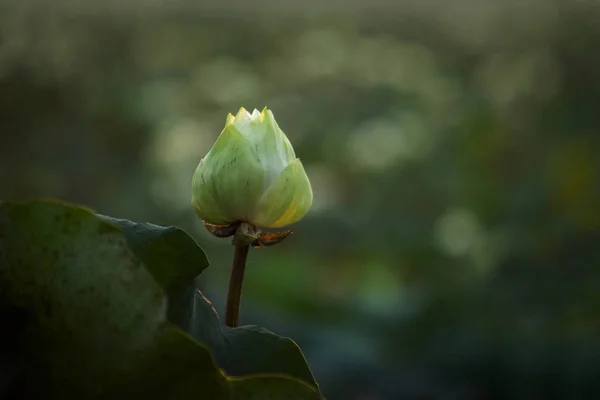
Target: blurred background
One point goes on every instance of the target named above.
(452, 147)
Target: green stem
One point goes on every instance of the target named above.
(236, 278)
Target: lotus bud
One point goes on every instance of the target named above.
(251, 175)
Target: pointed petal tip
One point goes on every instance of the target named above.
(242, 114)
(229, 120)
(267, 115)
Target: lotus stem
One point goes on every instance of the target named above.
(236, 278)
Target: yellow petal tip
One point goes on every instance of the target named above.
(242, 114)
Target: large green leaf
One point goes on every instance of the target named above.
(170, 254)
(239, 351)
(85, 317)
(247, 349)
(96, 317)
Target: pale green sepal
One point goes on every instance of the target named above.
(270, 143)
(207, 208)
(233, 174)
(269, 119)
(287, 200)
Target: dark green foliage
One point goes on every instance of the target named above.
(239, 351)
(94, 307)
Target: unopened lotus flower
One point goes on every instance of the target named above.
(252, 175)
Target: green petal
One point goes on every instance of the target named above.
(242, 118)
(270, 143)
(233, 175)
(269, 120)
(204, 203)
(287, 200)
